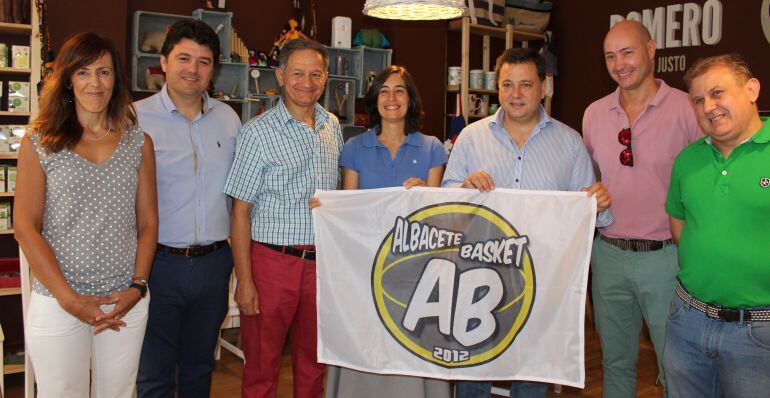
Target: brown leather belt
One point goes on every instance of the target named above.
(637, 245)
(192, 251)
(305, 254)
(722, 313)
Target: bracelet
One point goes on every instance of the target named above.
(139, 279)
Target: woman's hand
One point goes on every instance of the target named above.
(414, 182)
(87, 310)
(124, 301)
(314, 202)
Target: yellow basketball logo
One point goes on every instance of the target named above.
(454, 283)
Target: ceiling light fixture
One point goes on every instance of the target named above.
(415, 10)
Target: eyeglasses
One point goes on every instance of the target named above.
(626, 156)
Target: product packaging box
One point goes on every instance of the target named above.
(18, 96)
(3, 55)
(20, 56)
(10, 272)
(10, 178)
(5, 216)
(5, 133)
(3, 182)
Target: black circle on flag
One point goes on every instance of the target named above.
(454, 283)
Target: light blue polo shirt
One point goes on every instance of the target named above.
(366, 155)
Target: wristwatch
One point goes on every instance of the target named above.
(141, 288)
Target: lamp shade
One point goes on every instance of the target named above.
(414, 10)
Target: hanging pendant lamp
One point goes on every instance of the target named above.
(414, 10)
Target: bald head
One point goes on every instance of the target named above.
(629, 52)
(629, 29)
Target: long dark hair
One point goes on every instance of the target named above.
(57, 122)
(414, 113)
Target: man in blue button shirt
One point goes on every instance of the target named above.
(521, 147)
(195, 145)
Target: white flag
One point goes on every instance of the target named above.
(454, 283)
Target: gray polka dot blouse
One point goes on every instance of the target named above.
(90, 215)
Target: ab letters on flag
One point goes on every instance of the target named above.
(454, 283)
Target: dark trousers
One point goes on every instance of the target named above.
(189, 303)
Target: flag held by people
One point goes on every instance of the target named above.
(454, 283)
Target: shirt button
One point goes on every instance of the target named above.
(519, 157)
(724, 172)
(517, 180)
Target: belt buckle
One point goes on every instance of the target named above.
(729, 314)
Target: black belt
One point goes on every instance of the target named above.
(292, 251)
(637, 245)
(192, 251)
(722, 313)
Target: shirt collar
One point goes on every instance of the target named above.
(170, 107)
(321, 115)
(760, 137)
(370, 139)
(663, 90)
(497, 119)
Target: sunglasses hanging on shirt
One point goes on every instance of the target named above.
(626, 156)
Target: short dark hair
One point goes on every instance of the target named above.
(521, 56)
(414, 113)
(194, 30)
(302, 44)
(734, 61)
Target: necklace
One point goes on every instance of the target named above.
(100, 138)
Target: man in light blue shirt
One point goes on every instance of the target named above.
(521, 147)
(282, 157)
(195, 138)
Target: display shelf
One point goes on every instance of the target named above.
(341, 90)
(21, 71)
(10, 291)
(9, 156)
(266, 81)
(15, 28)
(373, 61)
(7, 232)
(7, 194)
(232, 79)
(221, 22)
(146, 22)
(13, 368)
(257, 104)
(455, 89)
(139, 69)
(9, 113)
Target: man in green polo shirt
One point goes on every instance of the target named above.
(718, 332)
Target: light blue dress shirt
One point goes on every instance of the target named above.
(192, 161)
(279, 163)
(366, 155)
(553, 158)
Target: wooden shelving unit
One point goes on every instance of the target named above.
(466, 30)
(31, 34)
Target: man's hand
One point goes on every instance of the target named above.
(479, 180)
(247, 297)
(603, 198)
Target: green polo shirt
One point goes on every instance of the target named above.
(725, 204)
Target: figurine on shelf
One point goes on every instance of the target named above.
(253, 61)
(262, 59)
(344, 89)
(154, 78)
(287, 34)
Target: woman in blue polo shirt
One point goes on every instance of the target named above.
(392, 153)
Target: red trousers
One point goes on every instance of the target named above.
(287, 303)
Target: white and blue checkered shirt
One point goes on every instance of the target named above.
(279, 163)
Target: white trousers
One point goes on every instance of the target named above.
(68, 358)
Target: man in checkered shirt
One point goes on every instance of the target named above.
(282, 157)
